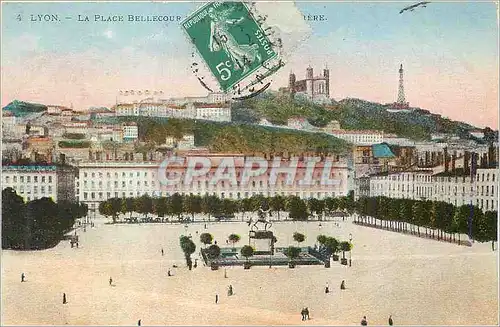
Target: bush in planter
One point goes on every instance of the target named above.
(322, 239)
(332, 245)
(188, 247)
(293, 253)
(206, 238)
(298, 237)
(344, 246)
(213, 252)
(247, 252)
(234, 238)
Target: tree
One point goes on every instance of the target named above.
(105, 209)
(277, 203)
(293, 253)
(491, 226)
(130, 204)
(160, 206)
(331, 204)
(176, 204)
(418, 214)
(14, 222)
(298, 237)
(115, 207)
(213, 251)
(188, 247)
(192, 204)
(247, 251)
(332, 245)
(460, 220)
(297, 209)
(234, 238)
(206, 238)
(322, 239)
(316, 206)
(345, 246)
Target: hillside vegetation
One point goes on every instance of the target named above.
(237, 138)
(350, 113)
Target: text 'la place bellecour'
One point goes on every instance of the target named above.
(129, 18)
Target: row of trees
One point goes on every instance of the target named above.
(436, 219)
(38, 224)
(211, 205)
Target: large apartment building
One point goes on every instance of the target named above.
(33, 182)
(98, 181)
(480, 189)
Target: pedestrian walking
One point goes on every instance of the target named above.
(139, 322)
(307, 313)
(230, 290)
(162, 252)
(169, 273)
(342, 285)
(22, 277)
(303, 313)
(390, 320)
(216, 298)
(225, 273)
(110, 281)
(77, 245)
(327, 288)
(364, 322)
(64, 298)
(195, 263)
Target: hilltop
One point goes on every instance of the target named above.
(351, 114)
(22, 109)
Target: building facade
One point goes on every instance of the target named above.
(359, 137)
(480, 190)
(34, 182)
(99, 181)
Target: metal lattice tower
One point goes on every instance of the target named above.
(401, 90)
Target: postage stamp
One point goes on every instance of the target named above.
(233, 44)
(267, 163)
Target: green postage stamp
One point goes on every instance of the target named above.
(230, 40)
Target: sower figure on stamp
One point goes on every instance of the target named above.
(221, 39)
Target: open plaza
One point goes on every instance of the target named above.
(418, 281)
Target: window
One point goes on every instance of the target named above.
(123, 184)
(92, 195)
(100, 175)
(42, 189)
(93, 175)
(108, 195)
(22, 179)
(108, 175)
(50, 179)
(28, 179)
(84, 174)
(85, 195)
(43, 179)
(50, 189)
(35, 189)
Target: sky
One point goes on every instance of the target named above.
(449, 52)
